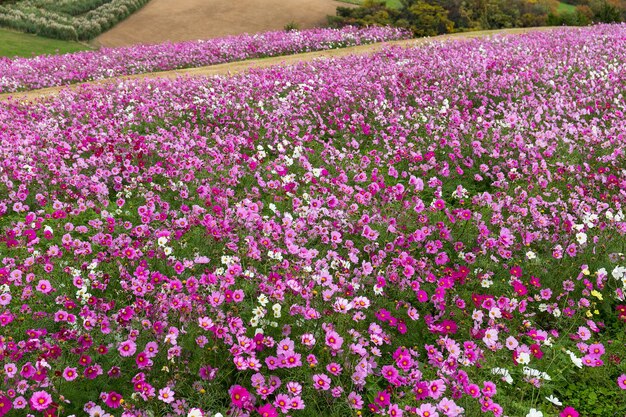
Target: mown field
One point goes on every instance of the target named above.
(431, 231)
(26, 45)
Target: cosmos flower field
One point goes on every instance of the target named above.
(19, 74)
(436, 231)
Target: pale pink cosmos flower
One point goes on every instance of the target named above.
(40, 400)
(44, 286)
(127, 348)
(70, 374)
(166, 395)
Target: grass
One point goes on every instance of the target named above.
(26, 45)
(565, 8)
(393, 4)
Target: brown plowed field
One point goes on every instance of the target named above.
(181, 20)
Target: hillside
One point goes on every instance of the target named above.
(429, 231)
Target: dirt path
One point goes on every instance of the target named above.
(181, 20)
(241, 66)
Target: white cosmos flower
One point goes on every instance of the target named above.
(577, 361)
(504, 373)
(554, 400)
(262, 299)
(276, 308)
(534, 413)
(523, 358)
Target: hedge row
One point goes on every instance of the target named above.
(57, 19)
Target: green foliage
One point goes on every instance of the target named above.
(426, 19)
(604, 11)
(291, 26)
(422, 17)
(371, 13)
(576, 18)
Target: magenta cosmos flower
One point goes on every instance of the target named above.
(5, 405)
(40, 400)
(569, 412)
(113, 399)
(239, 395)
(621, 381)
(267, 410)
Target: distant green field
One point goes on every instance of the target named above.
(26, 45)
(565, 8)
(394, 4)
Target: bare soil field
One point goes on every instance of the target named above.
(181, 20)
(231, 68)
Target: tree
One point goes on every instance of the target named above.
(606, 12)
(426, 19)
(372, 12)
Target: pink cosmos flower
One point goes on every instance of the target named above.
(44, 286)
(355, 400)
(489, 389)
(621, 381)
(19, 403)
(96, 411)
(437, 388)
(296, 403)
(10, 369)
(127, 348)
(282, 402)
(427, 410)
(70, 374)
(472, 390)
(394, 411)
(321, 382)
(596, 349)
(40, 400)
(333, 340)
(382, 398)
(285, 346)
(151, 350)
(166, 395)
(307, 339)
(334, 368)
(143, 361)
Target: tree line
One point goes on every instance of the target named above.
(434, 17)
